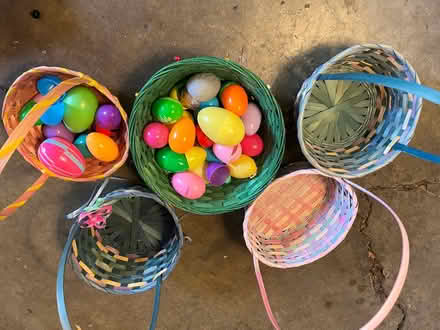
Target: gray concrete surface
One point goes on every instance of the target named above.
(121, 43)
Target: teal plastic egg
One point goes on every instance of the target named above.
(81, 144)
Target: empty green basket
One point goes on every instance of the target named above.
(236, 194)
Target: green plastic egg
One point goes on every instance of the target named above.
(171, 161)
(25, 110)
(81, 104)
(167, 110)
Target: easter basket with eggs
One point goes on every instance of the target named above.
(206, 135)
(66, 125)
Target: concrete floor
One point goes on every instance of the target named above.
(120, 44)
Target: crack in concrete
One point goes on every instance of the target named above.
(421, 184)
(376, 272)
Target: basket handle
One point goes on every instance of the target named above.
(61, 303)
(19, 133)
(385, 309)
(425, 92)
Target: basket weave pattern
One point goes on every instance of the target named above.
(390, 116)
(236, 194)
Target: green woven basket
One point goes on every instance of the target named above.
(236, 194)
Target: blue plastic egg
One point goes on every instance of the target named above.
(54, 115)
(46, 83)
(214, 102)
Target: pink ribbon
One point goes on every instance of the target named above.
(96, 219)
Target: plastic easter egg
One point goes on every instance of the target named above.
(102, 147)
(167, 110)
(188, 185)
(61, 157)
(195, 157)
(156, 135)
(203, 86)
(210, 156)
(244, 167)
(54, 115)
(81, 144)
(226, 84)
(223, 127)
(227, 154)
(174, 93)
(214, 102)
(81, 104)
(58, 131)
(171, 161)
(187, 101)
(108, 117)
(251, 119)
(25, 110)
(235, 99)
(202, 139)
(201, 171)
(217, 173)
(186, 114)
(46, 83)
(182, 136)
(37, 98)
(252, 145)
(104, 131)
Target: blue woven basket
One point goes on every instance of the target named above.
(128, 255)
(359, 110)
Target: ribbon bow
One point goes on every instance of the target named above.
(96, 218)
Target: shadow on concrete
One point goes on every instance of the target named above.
(287, 85)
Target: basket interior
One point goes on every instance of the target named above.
(22, 91)
(349, 127)
(228, 197)
(290, 229)
(139, 243)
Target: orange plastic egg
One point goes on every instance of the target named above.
(235, 99)
(182, 136)
(102, 147)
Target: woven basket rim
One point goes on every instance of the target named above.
(289, 176)
(34, 161)
(274, 165)
(310, 82)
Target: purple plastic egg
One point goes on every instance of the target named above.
(188, 185)
(108, 117)
(58, 131)
(217, 173)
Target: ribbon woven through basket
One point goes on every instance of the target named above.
(130, 244)
(359, 110)
(286, 230)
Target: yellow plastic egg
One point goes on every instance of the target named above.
(174, 94)
(244, 167)
(102, 147)
(221, 126)
(201, 171)
(195, 157)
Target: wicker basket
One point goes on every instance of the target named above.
(236, 194)
(354, 123)
(285, 230)
(26, 137)
(118, 258)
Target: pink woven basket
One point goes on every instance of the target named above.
(303, 216)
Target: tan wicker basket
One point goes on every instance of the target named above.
(26, 137)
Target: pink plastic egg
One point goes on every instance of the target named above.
(227, 154)
(62, 157)
(251, 119)
(58, 131)
(188, 185)
(252, 145)
(156, 135)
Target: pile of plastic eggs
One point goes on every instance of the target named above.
(205, 132)
(76, 127)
